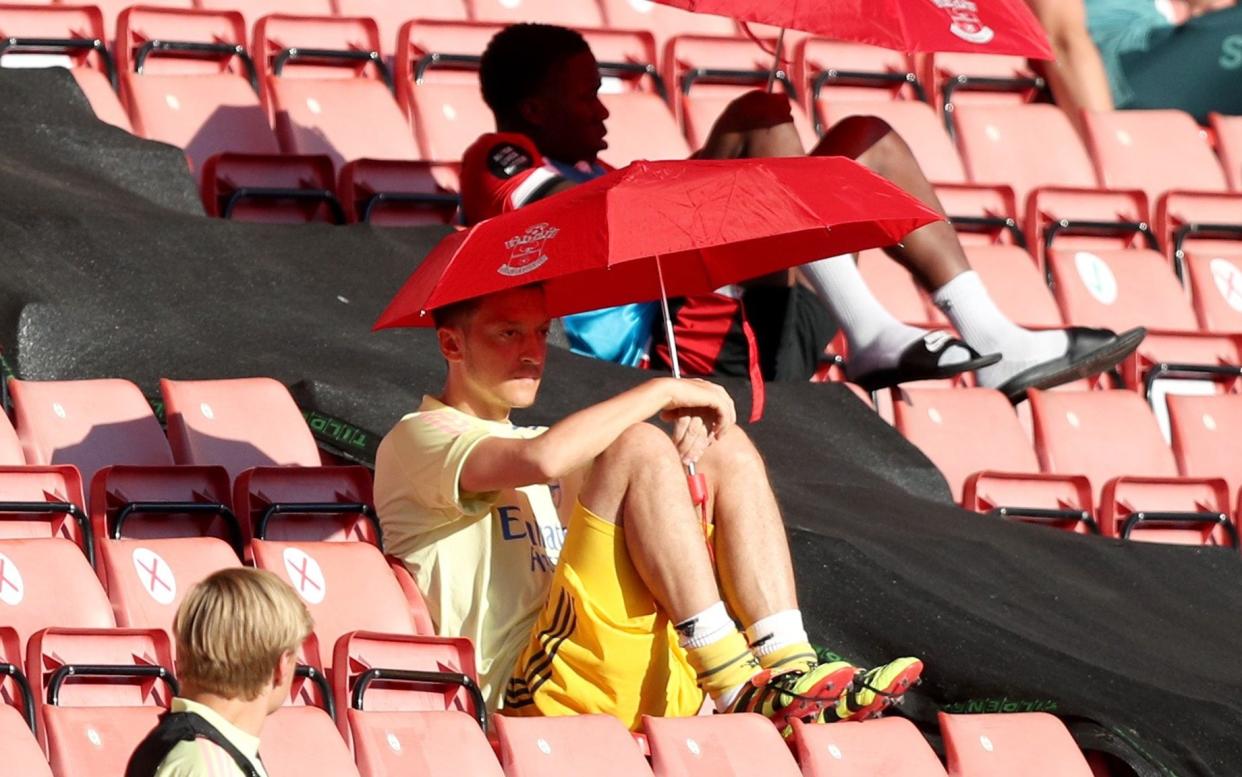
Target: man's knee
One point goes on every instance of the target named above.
(854, 136)
(733, 453)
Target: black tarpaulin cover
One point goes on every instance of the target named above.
(110, 269)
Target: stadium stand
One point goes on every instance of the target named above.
(833, 71)
(547, 747)
(875, 748)
(1112, 438)
(34, 576)
(1228, 131)
(411, 743)
(70, 37)
(954, 78)
(1200, 226)
(303, 740)
(1207, 436)
(45, 502)
(1023, 744)
(717, 744)
(1215, 282)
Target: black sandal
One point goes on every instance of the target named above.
(921, 361)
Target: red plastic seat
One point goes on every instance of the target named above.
(254, 10)
(953, 79)
(584, 14)
(1207, 436)
(1201, 224)
(1112, 438)
(106, 429)
(1024, 146)
(69, 24)
(662, 21)
(384, 665)
(829, 71)
(347, 586)
(1020, 744)
(390, 15)
(575, 744)
(49, 582)
(1215, 280)
(1087, 219)
(1228, 131)
(1156, 151)
(303, 740)
(10, 447)
(17, 737)
(445, 107)
(706, 746)
(1015, 283)
(412, 744)
(147, 579)
(271, 188)
(887, 747)
(895, 288)
(97, 740)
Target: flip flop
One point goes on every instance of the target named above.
(1090, 352)
(921, 361)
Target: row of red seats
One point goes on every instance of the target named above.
(1098, 462)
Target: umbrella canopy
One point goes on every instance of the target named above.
(974, 26)
(691, 226)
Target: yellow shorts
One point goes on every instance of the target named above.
(599, 645)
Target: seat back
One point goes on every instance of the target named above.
(44, 502)
(964, 431)
(241, 423)
(575, 744)
(1216, 288)
(960, 78)
(146, 651)
(254, 10)
(316, 101)
(48, 583)
(389, 15)
(1156, 151)
(1100, 434)
(90, 424)
(1020, 744)
(413, 744)
(896, 290)
(886, 747)
(336, 502)
(147, 579)
(585, 14)
(1207, 436)
(96, 740)
(303, 740)
(717, 746)
(1119, 289)
(641, 126)
(1228, 131)
(21, 750)
(347, 586)
(1024, 146)
(875, 74)
(1016, 284)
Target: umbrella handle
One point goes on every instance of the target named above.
(698, 495)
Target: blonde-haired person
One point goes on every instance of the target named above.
(237, 635)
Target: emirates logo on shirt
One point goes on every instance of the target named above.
(527, 250)
(966, 23)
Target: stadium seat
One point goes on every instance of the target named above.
(10, 447)
(45, 502)
(306, 504)
(662, 21)
(112, 11)
(17, 741)
(1020, 744)
(895, 288)
(72, 37)
(1086, 219)
(380, 674)
(413, 744)
(957, 78)
(574, 744)
(584, 14)
(1215, 281)
(1228, 131)
(147, 579)
(887, 747)
(1200, 224)
(706, 74)
(1112, 438)
(389, 15)
(1015, 283)
(712, 745)
(1156, 151)
(106, 429)
(1024, 146)
(49, 582)
(997, 471)
(347, 586)
(254, 10)
(97, 740)
(828, 71)
(271, 188)
(1207, 436)
(303, 741)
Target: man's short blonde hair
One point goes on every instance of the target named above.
(232, 629)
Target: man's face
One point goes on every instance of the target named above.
(567, 114)
(500, 350)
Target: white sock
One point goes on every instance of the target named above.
(966, 302)
(770, 634)
(876, 339)
(711, 625)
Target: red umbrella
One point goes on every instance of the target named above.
(655, 229)
(975, 26)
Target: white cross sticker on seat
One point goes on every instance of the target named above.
(1228, 281)
(1096, 276)
(305, 575)
(155, 575)
(12, 589)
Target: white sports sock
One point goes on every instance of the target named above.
(770, 634)
(711, 625)
(966, 302)
(876, 339)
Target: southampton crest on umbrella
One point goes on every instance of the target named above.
(527, 250)
(966, 23)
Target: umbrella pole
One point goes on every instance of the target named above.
(776, 60)
(668, 322)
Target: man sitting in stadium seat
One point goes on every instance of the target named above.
(237, 636)
(573, 556)
(542, 84)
